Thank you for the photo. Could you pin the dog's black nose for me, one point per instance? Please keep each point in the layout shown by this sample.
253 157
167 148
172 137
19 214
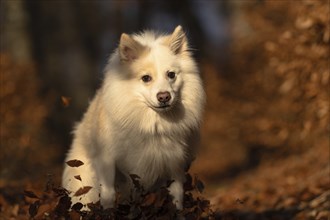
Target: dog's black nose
164 97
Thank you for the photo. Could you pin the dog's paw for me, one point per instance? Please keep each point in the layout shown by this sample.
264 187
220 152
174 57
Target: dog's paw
107 197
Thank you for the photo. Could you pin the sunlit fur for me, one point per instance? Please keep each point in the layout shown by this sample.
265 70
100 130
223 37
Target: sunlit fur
123 132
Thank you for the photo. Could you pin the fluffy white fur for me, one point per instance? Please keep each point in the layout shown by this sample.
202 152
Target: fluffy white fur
126 130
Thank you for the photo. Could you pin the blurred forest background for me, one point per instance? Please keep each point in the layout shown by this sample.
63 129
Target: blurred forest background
265 65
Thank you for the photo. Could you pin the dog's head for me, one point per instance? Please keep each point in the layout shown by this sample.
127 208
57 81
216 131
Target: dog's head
155 66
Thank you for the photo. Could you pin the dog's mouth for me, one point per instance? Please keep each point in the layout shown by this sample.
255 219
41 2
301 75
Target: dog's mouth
162 107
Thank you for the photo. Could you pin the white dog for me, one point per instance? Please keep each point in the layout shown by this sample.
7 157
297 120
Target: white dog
144 120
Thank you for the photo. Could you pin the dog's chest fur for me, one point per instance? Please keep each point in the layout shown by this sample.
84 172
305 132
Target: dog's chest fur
151 158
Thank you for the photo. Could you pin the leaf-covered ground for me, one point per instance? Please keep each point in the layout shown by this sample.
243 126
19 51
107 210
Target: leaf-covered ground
55 203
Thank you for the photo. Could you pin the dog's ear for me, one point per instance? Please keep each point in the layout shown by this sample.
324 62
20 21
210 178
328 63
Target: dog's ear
129 49
178 41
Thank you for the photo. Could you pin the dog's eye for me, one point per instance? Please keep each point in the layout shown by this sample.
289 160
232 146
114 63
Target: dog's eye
146 78
171 74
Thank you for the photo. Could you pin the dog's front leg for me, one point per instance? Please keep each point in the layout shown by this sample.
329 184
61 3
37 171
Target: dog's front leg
106 174
176 190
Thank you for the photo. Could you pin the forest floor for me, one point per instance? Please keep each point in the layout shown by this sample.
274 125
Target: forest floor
250 180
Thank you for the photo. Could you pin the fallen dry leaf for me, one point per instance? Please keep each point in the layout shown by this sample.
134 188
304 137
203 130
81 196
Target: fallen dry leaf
30 194
83 190
65 101
77 177
74 163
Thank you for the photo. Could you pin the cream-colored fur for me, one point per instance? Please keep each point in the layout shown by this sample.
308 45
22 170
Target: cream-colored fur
127 130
